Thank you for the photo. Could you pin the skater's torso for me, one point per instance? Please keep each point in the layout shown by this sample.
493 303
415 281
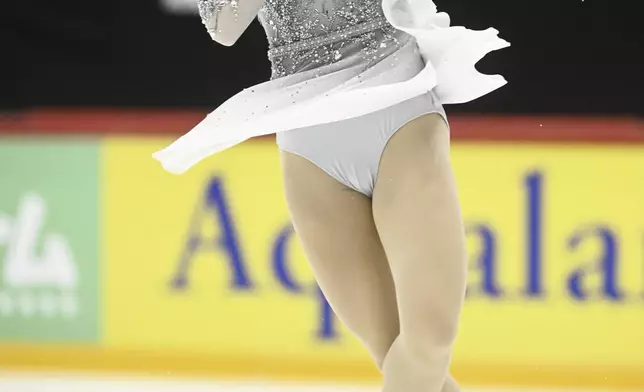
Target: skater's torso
307 34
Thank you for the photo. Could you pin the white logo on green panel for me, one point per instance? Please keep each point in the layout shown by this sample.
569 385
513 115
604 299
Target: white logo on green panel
39 271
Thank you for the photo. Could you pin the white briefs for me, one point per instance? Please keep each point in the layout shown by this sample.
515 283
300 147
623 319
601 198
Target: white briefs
350 150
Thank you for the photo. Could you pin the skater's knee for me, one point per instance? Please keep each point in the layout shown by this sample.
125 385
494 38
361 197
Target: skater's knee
424 351
431 337
379 347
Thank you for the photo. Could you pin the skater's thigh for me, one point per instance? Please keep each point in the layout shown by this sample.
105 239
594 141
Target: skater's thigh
336 229
419 221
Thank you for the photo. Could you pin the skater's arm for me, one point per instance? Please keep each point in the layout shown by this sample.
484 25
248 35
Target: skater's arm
226 20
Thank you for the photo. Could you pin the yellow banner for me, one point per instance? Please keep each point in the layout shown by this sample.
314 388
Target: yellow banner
207 263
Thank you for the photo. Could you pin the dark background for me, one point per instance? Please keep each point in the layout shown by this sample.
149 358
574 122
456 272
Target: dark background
567 56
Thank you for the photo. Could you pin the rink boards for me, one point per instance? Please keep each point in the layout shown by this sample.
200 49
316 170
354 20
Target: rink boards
110 263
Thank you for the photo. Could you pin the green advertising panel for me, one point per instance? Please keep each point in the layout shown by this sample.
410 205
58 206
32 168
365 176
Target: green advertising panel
49 284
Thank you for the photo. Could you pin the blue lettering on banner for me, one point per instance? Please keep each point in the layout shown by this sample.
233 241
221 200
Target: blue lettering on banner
214 205
534 190
485 262
605 265
328 329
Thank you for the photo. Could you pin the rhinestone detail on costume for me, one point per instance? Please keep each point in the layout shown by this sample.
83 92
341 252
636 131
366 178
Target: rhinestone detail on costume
329 38
308 34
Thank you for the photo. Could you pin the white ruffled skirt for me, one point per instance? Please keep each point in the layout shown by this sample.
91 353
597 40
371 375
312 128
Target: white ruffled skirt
339 93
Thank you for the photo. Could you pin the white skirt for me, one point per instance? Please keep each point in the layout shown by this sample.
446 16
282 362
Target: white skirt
312 98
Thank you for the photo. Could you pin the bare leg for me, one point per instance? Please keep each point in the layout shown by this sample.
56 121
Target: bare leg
418 218
336 228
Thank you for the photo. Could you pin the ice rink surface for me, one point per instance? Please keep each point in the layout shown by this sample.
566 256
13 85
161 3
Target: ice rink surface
53 382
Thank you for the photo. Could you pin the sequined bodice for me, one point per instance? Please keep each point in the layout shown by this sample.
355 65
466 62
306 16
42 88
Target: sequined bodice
308 34
341 28
288 21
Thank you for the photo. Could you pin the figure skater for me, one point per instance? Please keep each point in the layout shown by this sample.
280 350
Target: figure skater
356 99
